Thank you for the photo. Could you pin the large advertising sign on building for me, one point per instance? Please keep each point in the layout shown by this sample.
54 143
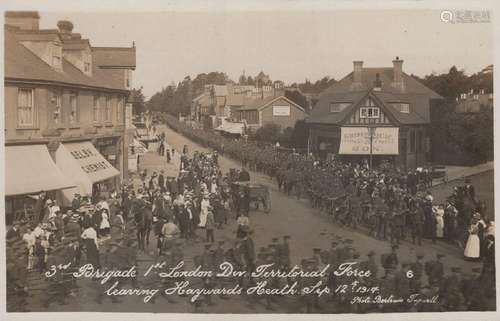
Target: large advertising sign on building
281 110
356 141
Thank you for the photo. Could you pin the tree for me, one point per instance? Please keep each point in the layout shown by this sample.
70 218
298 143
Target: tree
297 97
137 99
268 133
300 134
242 80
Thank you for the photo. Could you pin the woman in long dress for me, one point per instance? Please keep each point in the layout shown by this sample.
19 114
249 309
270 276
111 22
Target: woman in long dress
104 226
205 203
473 245
439 216
89 238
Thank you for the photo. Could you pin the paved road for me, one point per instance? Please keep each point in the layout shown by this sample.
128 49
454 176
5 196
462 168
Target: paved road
308 228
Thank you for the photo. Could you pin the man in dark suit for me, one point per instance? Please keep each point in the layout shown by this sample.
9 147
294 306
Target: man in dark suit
244 176
469 190
161 181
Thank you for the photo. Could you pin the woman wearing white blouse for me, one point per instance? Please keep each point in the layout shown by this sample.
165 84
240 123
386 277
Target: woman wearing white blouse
89 237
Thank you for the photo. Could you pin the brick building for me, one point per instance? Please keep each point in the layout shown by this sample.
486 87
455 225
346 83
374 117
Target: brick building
64 111
387 99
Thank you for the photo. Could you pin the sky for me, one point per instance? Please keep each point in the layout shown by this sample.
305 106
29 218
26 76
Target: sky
287 45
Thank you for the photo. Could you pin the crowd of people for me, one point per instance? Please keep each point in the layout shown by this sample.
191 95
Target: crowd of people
388 202
108 231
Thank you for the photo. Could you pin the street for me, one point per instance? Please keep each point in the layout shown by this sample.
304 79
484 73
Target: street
307 227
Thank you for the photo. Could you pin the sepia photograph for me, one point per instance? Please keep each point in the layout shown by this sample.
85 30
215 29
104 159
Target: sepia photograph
280 160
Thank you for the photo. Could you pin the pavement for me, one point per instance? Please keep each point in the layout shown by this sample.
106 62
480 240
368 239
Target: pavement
308 228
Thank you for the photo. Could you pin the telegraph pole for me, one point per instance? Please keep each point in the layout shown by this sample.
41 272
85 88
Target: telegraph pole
371 134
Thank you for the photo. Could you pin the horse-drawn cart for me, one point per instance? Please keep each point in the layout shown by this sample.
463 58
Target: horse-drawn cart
257 193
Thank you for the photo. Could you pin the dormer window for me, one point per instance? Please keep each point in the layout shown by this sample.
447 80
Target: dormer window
338 107
402 107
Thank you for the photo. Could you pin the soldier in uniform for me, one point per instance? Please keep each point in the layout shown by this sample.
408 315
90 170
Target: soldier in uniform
167 282
390 261
416 222
207 264
403 284
397 223
356 211
308 299
284 254
418 270
473 291
370 265
451 290
435 270
382 221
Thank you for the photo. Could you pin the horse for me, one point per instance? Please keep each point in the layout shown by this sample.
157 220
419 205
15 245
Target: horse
144 221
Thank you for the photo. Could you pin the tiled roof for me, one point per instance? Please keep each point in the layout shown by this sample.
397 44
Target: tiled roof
114 57
321 113
255 104
368 75
22 64
414 93
419 107
237 100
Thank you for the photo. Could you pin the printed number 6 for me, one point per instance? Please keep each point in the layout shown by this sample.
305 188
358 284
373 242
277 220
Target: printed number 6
409 274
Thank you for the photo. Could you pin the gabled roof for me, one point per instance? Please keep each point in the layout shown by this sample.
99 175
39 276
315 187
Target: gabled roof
114 57
256 104
419 107
413 92
237 100
411 85
23 65
321 113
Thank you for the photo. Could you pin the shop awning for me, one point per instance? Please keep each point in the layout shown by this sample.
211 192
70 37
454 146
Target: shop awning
29 169
84 164
139 148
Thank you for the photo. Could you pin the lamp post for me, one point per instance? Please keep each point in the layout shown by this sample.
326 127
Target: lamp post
371 135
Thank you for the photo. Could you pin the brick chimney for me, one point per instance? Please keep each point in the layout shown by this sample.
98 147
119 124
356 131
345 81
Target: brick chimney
24 20
398 72
357 71
65 28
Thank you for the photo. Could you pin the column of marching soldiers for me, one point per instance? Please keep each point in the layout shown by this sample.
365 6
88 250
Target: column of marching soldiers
457 292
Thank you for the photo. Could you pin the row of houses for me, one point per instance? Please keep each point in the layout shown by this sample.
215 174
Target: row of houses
380 111
474 101
66 112
231 107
